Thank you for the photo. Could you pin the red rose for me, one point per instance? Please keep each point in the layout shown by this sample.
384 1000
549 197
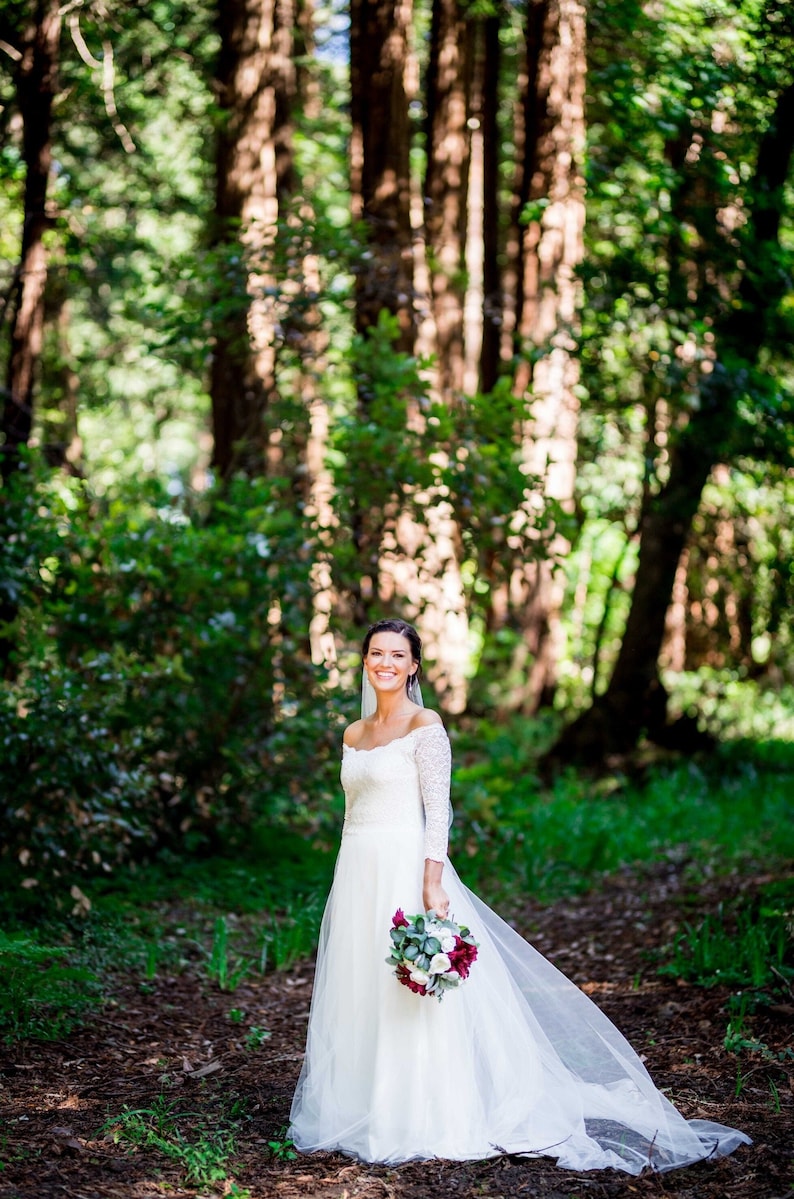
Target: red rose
462 957
404 975
398 919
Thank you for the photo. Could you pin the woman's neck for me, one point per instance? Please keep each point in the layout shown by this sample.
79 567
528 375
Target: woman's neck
392 708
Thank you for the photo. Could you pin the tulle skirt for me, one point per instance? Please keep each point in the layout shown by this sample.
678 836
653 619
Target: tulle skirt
516 1060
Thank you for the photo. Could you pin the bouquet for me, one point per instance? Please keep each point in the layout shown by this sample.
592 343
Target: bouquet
430 955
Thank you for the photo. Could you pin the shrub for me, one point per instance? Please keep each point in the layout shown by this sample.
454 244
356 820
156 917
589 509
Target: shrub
164 687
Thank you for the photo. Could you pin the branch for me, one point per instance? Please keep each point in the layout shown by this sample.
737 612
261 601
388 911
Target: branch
106 65
11 51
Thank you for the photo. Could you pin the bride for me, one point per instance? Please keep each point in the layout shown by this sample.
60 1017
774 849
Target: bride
518 1060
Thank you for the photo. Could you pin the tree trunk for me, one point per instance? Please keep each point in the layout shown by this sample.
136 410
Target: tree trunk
446 180
36 84
256 82
635 701
492 292
379 163
36 81
381 207
548 235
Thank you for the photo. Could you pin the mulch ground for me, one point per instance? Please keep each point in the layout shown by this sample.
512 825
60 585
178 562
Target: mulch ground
174 1041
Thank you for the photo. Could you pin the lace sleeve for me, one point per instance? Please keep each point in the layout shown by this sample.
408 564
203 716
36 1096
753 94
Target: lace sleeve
434 761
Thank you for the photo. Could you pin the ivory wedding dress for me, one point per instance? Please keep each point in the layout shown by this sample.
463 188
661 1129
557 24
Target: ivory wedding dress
516 1060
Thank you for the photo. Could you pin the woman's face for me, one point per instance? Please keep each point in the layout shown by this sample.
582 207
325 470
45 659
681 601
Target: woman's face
389 662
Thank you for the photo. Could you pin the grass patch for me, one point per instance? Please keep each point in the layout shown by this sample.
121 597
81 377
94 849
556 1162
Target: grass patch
747 945
222 918
513 837
42 995
203 1154
228 917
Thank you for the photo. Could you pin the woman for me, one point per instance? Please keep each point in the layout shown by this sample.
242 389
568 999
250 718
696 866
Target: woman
518 1060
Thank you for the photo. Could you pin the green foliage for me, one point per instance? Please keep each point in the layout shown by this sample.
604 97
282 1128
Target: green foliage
164 689
255 911
521 838
748 946
282 1149
204 1157
220 968
256 1036
377 453
287 934
678 102
292 933
739 1039
42 996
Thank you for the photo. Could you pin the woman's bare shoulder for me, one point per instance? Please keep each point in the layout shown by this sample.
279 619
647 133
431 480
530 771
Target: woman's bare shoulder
354 732
425 718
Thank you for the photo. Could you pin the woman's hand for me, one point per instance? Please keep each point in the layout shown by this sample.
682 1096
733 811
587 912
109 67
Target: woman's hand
433 894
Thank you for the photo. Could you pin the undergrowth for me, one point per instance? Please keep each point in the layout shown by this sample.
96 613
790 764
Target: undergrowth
228 917
747 944
203 1154
513 838
42 995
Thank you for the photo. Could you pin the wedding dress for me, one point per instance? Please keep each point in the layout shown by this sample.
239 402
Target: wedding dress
515 1060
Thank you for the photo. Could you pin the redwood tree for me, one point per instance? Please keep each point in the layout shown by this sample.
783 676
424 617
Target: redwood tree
379 163
35 50
384 301
635 701
446 180
538 305
255 83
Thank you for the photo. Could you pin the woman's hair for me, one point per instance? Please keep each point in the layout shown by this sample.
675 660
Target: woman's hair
396 626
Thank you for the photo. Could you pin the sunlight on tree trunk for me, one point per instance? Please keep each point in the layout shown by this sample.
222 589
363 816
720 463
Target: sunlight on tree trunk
256 83
445 187
635 701
379 163
36 69
473 305
487 77
550 215
36 82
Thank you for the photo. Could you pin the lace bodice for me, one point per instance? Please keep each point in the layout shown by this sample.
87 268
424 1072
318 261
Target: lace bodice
402 784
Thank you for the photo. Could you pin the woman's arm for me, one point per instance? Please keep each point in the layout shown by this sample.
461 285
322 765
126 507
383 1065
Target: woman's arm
434 763
433 894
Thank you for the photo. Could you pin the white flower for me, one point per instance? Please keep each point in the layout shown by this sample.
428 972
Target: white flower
420 976
447 944
439 964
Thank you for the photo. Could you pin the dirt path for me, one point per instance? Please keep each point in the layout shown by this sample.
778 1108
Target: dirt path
180 1048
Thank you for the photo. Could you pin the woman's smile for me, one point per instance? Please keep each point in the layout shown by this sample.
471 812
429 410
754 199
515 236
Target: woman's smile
389 661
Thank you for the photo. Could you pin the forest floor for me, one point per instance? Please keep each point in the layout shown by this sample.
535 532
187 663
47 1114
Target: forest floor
184 1056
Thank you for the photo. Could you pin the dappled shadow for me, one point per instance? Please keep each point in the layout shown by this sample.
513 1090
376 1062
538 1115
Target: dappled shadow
178 1047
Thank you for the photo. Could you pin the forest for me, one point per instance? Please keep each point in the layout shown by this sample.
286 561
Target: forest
477 313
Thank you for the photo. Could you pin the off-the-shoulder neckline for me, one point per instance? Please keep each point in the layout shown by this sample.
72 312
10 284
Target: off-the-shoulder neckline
394 740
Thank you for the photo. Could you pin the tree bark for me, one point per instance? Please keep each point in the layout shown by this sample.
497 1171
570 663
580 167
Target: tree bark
256 83
548 223
36 82
446 179
379 163
381 208
635 701
492 289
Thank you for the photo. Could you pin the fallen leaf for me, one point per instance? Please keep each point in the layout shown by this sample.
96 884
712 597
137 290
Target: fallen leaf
210 1068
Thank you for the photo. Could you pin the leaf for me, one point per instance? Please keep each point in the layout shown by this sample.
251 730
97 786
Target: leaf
210 1068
